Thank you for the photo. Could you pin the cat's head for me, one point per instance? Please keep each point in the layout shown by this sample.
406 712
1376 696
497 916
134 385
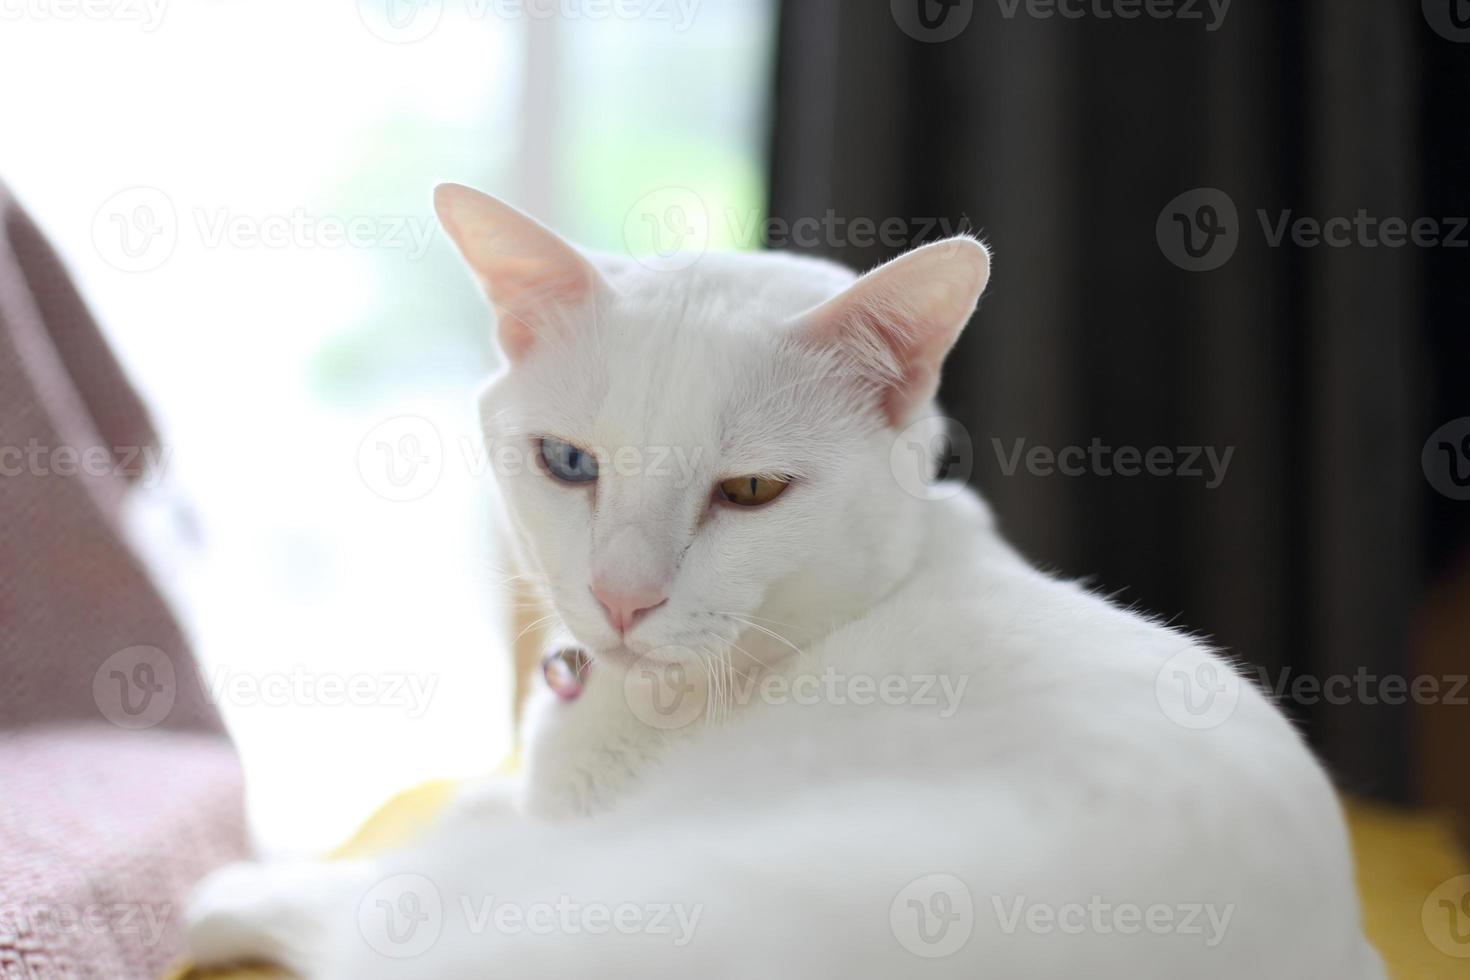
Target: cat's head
705 459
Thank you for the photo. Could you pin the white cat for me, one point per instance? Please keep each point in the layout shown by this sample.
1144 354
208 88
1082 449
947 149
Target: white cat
834 726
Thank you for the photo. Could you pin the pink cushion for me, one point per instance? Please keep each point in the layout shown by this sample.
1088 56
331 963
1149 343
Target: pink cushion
102 831
118 785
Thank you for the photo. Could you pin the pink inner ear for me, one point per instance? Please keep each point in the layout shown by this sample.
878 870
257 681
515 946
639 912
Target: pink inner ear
531 276
878 336
899 321
523 293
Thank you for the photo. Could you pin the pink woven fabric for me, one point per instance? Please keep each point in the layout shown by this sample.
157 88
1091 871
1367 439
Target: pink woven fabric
101 835
118 787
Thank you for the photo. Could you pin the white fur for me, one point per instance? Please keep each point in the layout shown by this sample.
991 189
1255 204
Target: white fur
1052 774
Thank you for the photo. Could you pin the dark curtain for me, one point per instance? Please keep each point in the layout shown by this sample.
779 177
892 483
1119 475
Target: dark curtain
1061 141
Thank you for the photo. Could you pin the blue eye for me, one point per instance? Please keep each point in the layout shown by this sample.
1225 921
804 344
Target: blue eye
567 462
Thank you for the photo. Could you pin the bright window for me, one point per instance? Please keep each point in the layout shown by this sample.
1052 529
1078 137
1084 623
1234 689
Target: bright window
245 203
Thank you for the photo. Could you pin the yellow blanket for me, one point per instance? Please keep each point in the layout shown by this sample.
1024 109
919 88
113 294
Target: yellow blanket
1403 857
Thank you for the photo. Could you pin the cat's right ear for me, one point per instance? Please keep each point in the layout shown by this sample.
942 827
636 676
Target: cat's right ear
532 277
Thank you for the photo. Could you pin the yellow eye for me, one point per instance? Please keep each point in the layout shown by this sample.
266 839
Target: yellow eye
752 491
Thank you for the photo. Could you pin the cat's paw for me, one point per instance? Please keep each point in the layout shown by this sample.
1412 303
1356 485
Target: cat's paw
278 913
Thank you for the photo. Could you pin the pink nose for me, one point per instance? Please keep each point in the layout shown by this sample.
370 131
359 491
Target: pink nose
624 606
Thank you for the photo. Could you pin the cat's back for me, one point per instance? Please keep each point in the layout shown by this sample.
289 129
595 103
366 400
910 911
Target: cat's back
1036 646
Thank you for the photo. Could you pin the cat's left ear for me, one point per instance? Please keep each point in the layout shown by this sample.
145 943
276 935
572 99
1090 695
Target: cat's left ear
900 320
532 277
